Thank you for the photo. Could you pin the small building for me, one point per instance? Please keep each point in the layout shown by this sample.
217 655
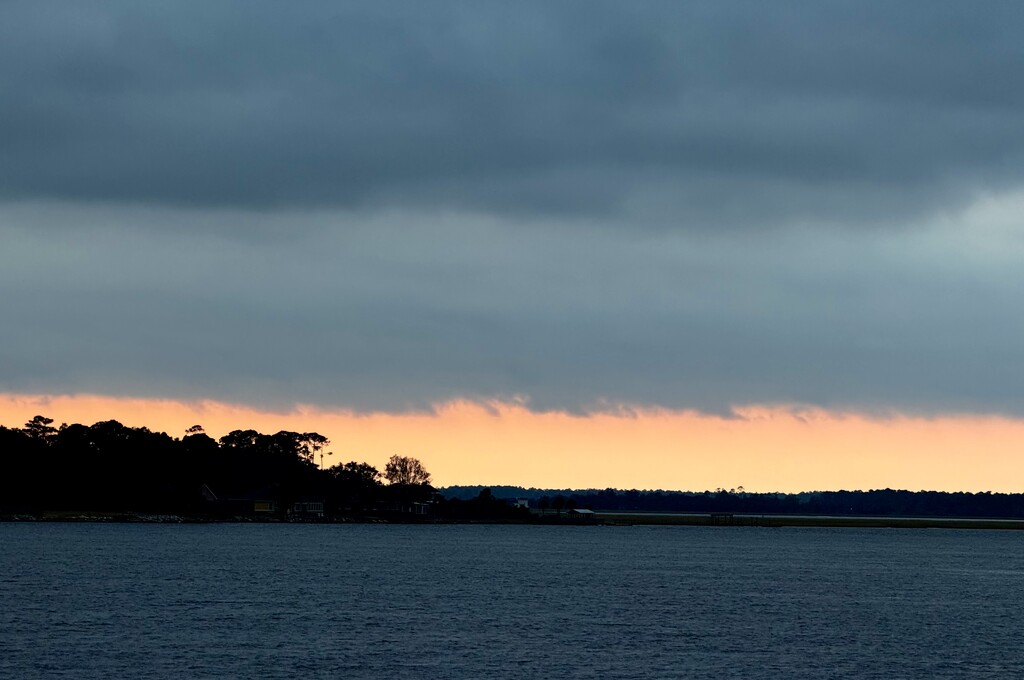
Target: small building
308 508
581 515
260 504
208 495
264 507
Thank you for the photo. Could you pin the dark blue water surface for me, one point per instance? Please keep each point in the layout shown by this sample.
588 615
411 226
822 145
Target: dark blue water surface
379 601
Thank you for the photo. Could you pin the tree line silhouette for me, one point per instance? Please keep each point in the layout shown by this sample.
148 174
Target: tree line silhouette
878 502
110 467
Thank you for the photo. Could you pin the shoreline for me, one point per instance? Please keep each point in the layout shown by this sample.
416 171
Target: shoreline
614 519
820 521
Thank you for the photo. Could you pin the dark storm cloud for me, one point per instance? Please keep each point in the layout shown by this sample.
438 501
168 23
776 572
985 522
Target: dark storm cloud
387 205
692 114
922 320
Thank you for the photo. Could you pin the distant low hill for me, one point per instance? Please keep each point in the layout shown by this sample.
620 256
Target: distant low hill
880 502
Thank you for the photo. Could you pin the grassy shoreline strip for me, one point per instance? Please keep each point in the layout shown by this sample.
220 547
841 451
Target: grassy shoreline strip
809 521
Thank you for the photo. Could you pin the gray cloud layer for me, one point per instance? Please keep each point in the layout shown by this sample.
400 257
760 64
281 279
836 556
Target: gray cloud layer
690 114
367 316
581 203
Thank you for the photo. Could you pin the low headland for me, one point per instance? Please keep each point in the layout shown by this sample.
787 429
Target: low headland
114 473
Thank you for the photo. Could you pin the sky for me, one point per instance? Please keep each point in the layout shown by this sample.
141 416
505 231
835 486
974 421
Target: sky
574 244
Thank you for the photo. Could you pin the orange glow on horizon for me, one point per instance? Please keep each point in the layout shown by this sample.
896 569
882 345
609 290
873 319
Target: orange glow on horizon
762 449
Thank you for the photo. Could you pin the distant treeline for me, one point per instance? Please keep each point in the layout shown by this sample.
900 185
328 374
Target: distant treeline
108 467
883 502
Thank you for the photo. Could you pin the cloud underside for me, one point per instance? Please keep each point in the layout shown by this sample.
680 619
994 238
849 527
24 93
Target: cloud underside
702 116
373 315
580 204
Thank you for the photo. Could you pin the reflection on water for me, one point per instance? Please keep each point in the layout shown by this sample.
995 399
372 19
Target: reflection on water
530 601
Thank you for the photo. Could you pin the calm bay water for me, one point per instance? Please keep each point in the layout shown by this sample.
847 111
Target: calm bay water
377 601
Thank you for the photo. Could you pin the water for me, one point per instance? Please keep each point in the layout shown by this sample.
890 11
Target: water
374 601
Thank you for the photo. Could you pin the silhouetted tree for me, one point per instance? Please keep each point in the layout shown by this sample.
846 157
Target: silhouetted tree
558 503
362 474
312 443
356 485
405 470
240 439
24 470
39 428
544 503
